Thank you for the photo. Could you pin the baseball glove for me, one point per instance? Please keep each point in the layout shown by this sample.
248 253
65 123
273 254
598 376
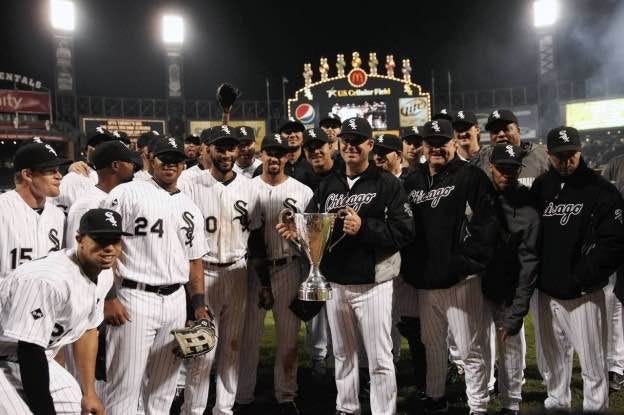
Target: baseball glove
197 339
226 95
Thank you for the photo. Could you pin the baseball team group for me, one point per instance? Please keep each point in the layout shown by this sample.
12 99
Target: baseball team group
443 240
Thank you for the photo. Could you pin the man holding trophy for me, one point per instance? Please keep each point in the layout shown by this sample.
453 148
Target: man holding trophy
372 222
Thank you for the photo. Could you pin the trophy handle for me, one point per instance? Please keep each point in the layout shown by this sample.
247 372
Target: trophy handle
287 216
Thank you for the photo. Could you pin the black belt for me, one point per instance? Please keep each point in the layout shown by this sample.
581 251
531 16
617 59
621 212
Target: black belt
156 289
280 261
222 264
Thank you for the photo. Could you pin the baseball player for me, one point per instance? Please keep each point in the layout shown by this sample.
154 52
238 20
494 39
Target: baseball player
49 303
276 192
583 243
145 145
330 125
31 225
614 172
510 278
204 163
147 302
388 155
453 213
191 149
412 147
246 163
361 260
467 134
227 201
81 175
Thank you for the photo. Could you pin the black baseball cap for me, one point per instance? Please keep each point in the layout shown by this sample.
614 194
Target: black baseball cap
192 139
37 156
99 138
443 114
315 135
221 133
106 153
409 132
331 121
507 154
101 222
290 125
121 136
146 138
562 139
275 142
388 142
244 133
500 118
356 126
462 120
438 132
169 145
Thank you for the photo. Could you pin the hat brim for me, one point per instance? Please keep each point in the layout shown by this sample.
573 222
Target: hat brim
437 139
310 141
278 147
224 139
107 232
386 147
565 147
463 123
49 164
175 152
354 133
507 163
330 122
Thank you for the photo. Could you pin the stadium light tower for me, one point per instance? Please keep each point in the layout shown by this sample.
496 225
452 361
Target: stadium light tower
545 15
173 30
62 15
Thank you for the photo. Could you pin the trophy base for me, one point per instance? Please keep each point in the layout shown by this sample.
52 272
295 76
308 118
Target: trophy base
315 294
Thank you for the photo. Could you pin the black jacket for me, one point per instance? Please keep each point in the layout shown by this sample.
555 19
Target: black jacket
387 224
511 277
583 232
455 225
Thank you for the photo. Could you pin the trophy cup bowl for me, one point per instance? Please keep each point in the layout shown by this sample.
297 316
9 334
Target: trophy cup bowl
313 232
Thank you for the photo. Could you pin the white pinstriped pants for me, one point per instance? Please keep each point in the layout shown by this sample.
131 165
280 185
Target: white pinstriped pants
615 343
457 311
511 354
366 310
566 326
139 358
285 282
226 295
64 389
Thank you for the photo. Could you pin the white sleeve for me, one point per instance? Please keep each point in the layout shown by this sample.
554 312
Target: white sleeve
197 246
73 223
33 308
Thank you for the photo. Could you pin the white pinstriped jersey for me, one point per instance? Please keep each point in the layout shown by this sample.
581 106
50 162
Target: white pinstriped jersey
90 200
166 228
73 185
247 171
230 212
142 175
25 234
273 199
187 175
49 302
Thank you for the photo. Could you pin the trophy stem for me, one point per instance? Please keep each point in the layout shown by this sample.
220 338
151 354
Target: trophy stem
315 287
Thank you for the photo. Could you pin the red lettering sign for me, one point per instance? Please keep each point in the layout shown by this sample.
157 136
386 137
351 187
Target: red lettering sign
29 102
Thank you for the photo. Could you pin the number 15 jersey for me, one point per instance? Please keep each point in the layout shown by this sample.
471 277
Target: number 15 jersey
166 228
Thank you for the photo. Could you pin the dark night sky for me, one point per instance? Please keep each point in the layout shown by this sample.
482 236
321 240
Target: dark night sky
485 44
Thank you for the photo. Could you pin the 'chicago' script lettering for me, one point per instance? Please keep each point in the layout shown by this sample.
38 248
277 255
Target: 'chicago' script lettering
433 195
337 201
565 210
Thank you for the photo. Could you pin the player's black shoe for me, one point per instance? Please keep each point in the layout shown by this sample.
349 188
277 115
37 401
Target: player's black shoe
436 406
616 381
288 408
507 411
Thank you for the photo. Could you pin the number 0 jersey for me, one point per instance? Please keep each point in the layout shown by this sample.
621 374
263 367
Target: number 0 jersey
230 211
166 228
26 234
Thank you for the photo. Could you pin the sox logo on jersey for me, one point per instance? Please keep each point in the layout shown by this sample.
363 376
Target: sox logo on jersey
189 228
241 207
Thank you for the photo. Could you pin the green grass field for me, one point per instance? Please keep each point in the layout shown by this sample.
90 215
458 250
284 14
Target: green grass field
320 399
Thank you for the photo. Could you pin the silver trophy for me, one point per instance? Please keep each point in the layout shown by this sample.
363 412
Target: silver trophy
313 232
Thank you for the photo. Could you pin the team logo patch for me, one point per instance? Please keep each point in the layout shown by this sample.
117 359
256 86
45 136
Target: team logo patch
435 126
618 216
109 217
189 229
240 206
172 142
563 135
565 210
460 115
352 124
496 114
225 129
243 131
509 149
305 113
53 237
36 314
312 133
407 209
278 138
50 149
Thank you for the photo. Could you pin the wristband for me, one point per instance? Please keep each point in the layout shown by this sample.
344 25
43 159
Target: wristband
197 301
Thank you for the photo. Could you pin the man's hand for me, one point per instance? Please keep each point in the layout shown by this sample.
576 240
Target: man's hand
352 222
91 404
115 313
265 298
203 313
80 167
286 231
